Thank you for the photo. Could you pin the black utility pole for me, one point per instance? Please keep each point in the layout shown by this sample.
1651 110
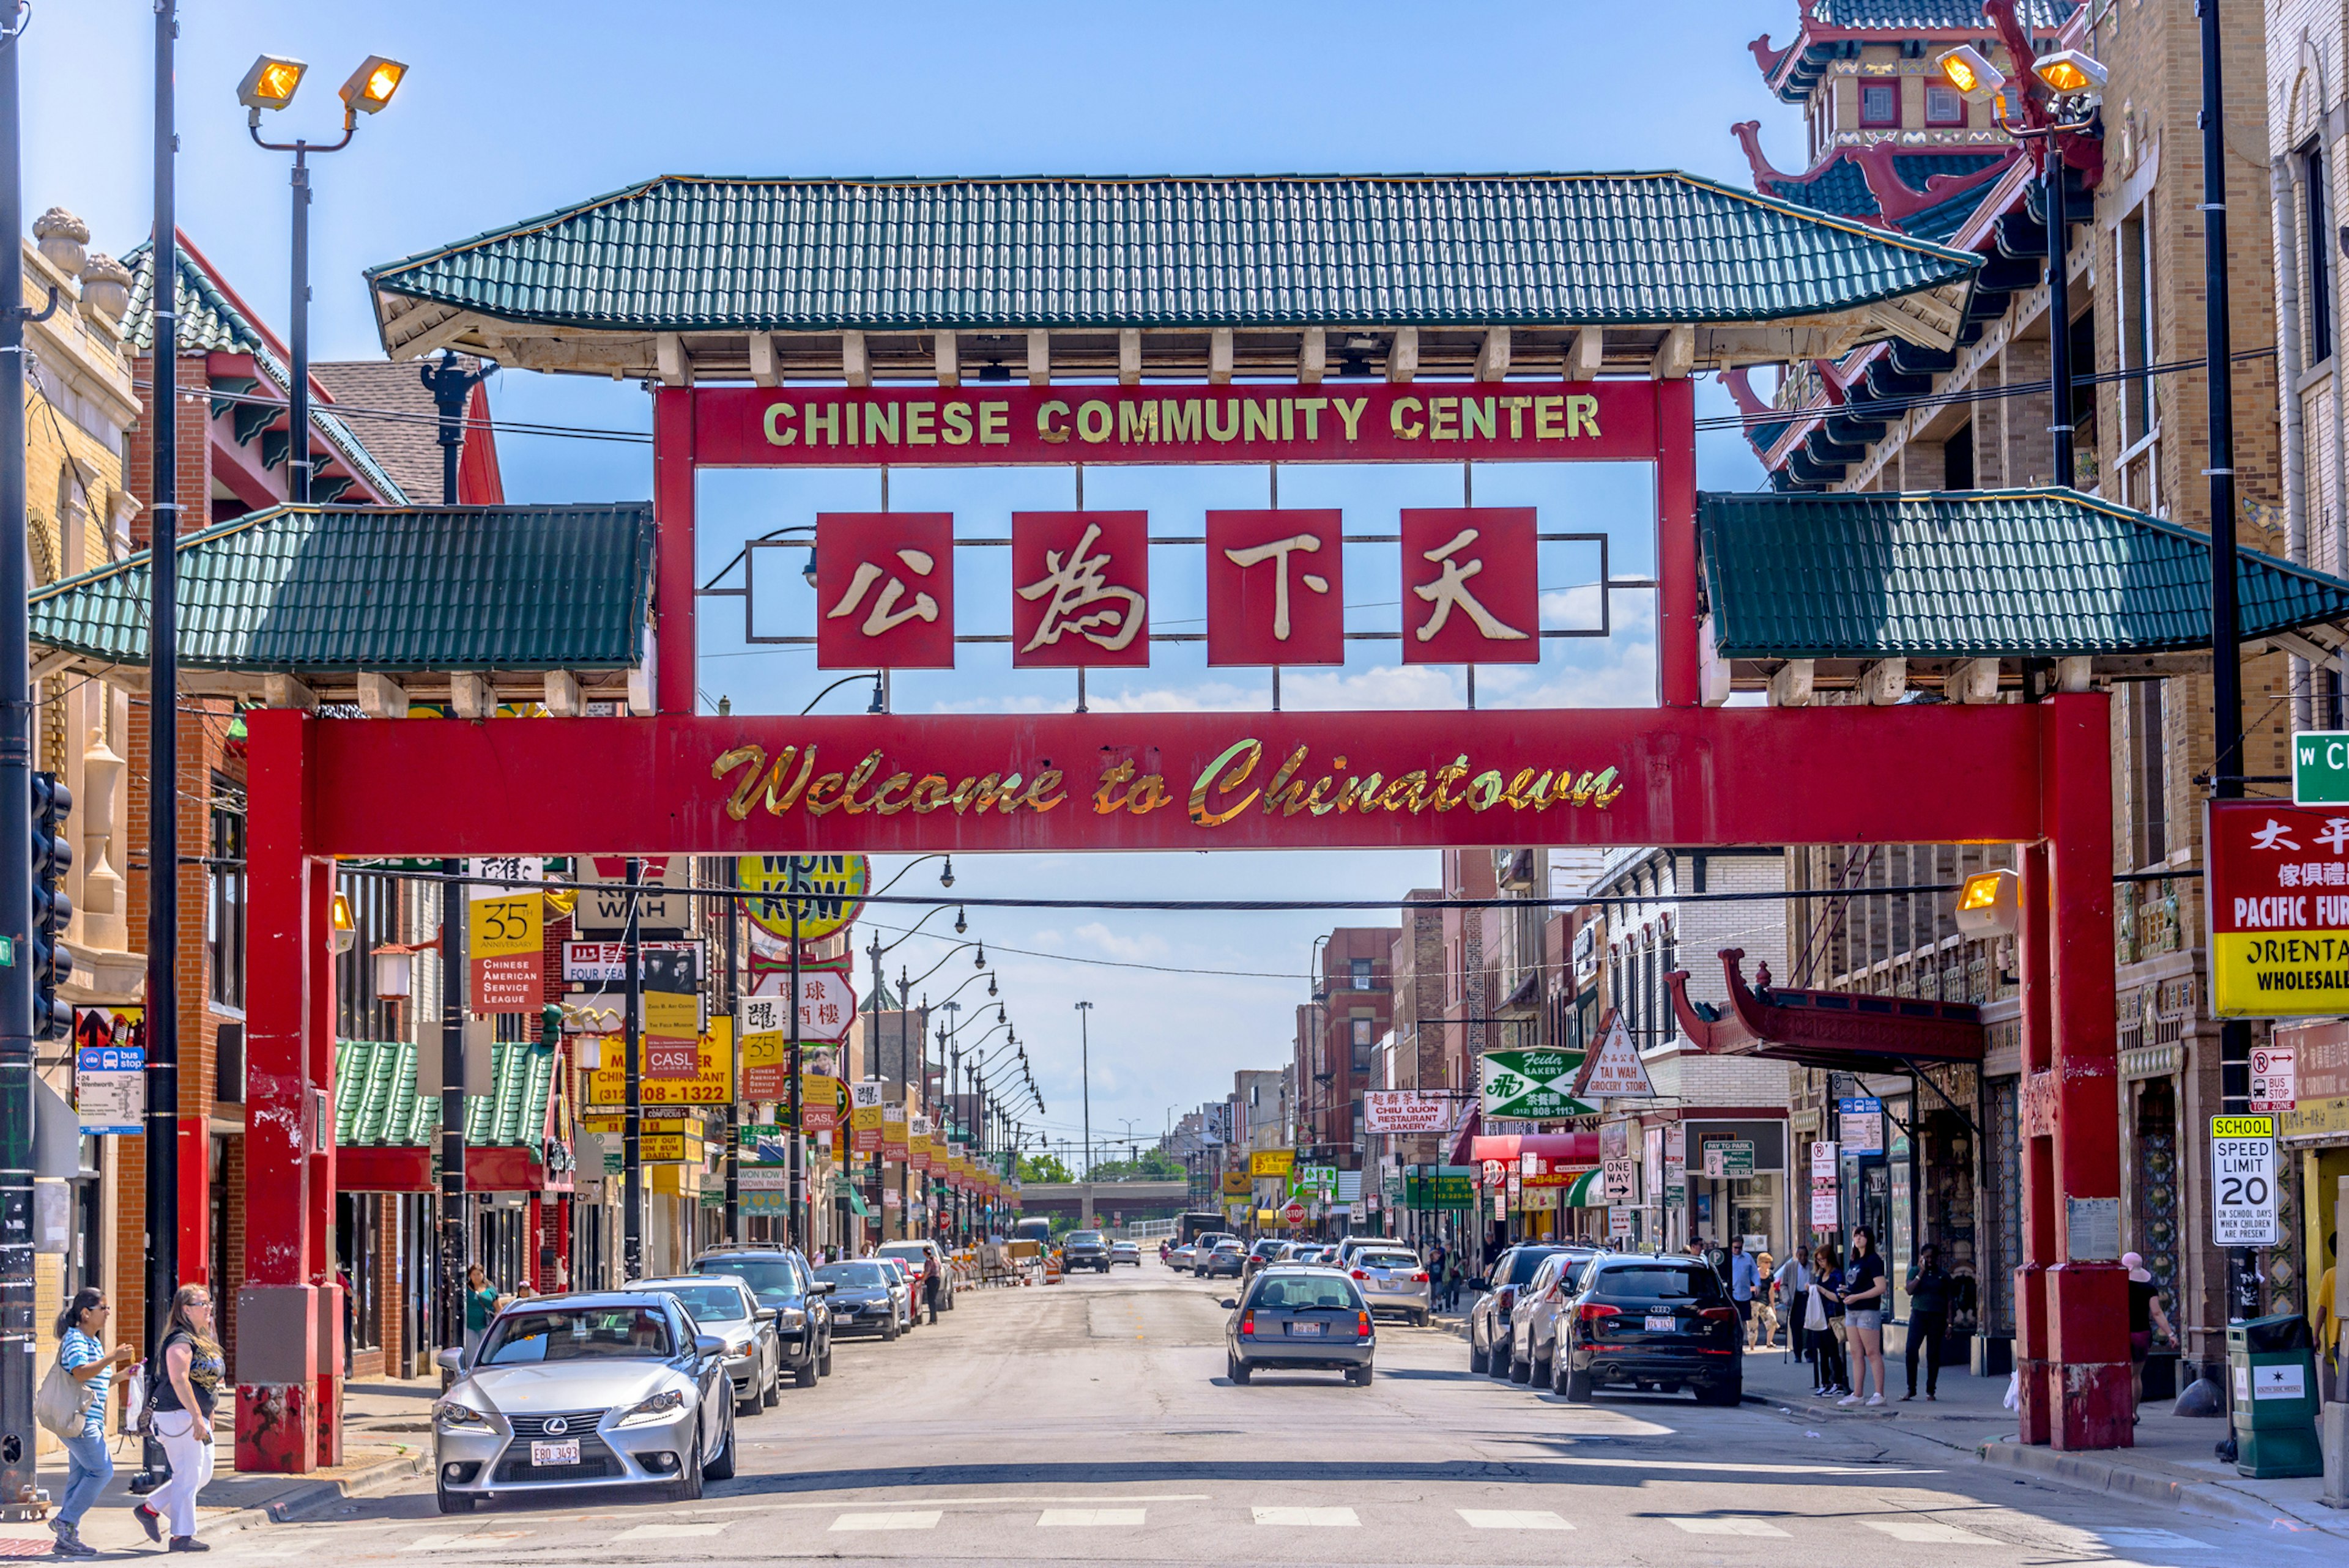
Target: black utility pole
450 385
455 1234
2059 308
632 1119
2226 658
733 908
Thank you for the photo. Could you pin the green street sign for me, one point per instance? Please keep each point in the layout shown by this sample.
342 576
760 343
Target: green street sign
2319 768
1728 1157
1533 1085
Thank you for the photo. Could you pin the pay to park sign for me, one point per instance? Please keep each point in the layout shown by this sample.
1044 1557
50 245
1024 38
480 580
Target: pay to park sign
1533 1085
2277 889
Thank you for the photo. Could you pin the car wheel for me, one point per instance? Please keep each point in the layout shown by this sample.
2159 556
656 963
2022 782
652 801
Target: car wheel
805 1374
722 1467
1540 1375
889 1330
1520 1371
687 1488
823 1366
454 1502
1479 1358
1360 1377
1497 1360
1236 1369
1578 1387
751 1404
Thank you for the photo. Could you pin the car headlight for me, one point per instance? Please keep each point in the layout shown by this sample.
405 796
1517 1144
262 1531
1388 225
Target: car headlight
667 1402
449 1416
790 1317
738 1347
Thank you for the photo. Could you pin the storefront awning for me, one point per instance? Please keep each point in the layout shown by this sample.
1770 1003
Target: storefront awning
386 1135
858 1206
1828 1029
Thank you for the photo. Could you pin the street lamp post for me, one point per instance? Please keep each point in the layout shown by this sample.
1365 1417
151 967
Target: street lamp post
1085 1077
271 83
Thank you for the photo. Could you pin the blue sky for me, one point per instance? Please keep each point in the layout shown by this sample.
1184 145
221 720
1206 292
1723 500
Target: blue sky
518 106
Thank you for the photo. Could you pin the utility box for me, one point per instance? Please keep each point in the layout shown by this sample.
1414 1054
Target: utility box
2271 1364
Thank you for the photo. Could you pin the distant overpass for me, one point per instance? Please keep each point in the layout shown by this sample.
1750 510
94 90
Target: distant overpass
1113 1202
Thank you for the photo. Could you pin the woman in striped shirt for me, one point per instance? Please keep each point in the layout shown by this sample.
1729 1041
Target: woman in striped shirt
81 1351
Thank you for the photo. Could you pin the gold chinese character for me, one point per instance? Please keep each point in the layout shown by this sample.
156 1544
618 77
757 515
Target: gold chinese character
884 616
1277 550
1076 584
1452 588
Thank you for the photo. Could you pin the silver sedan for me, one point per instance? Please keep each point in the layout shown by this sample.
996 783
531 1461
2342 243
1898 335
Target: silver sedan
1394 1280
618 1388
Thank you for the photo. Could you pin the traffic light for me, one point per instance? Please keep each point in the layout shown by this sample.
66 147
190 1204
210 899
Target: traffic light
52 908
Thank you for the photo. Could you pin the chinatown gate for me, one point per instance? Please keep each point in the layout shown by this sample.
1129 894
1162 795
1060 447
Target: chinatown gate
1510 319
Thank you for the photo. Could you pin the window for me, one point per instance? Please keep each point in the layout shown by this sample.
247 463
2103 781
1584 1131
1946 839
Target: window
1361 973
224 897
2316 293
2134 297
1958 458
2149 771
1944 106
1880 104
359 1013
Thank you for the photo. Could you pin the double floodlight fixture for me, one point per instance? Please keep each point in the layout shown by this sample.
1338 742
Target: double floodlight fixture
2070 72
272 80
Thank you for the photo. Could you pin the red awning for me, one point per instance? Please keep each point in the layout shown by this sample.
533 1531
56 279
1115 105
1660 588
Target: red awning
1556 1148
1827 1029
494 1168
1466 1138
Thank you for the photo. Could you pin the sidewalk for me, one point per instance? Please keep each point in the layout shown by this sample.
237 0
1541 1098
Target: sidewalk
386 1438
2172 1463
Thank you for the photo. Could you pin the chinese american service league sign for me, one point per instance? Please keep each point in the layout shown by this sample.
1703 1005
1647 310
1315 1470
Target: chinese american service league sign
2278 901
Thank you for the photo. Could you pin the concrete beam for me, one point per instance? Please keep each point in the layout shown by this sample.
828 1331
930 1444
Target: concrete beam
1493 355
1883 683
287 691
950 368
2072 674
1129 355
1219 356
762 359
1791 686
562 697
1039 359
1675 356
1970 681
382 697
670 364
1403 360
855 368
471 696
1313 355
1583 361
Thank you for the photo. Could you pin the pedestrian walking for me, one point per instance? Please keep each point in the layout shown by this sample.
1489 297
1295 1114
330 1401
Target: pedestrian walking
2326 1322
1864 1281
1792 1282
1824 1327
480 1305
1765 1313
2144 1312
1929 1320
1438 1259
1744 1279
183 1383
81 1351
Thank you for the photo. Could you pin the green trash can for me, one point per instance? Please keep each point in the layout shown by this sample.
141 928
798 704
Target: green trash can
2273 1366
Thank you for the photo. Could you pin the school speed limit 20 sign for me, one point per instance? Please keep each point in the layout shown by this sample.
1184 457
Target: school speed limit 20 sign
2244 1180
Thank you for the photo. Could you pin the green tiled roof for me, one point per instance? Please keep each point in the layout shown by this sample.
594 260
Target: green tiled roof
381 588
1930 16
1969 574
688 253
376 1105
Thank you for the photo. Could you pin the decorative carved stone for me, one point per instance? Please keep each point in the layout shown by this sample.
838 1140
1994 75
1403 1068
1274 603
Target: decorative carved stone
106 285
61 237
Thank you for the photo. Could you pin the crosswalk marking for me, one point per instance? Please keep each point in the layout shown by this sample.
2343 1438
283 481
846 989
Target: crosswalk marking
2146 1538
1726 1524
1512 1519
1130 1518
466 1538
1925 1532
668 1531
904 1518
1305 1516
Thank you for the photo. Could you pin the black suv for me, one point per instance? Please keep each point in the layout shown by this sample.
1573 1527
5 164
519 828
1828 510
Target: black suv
1665 1324
1086 1250
782 1279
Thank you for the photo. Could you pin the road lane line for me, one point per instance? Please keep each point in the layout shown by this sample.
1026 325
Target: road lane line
1337 1518
904 1518
1727 1525
1597 1463
2146 1537
468 1538
1512 1519
668 1531
958 1503
1082 1518
1926 1533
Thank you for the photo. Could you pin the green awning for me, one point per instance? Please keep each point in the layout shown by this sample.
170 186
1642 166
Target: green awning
376 1105
857 1205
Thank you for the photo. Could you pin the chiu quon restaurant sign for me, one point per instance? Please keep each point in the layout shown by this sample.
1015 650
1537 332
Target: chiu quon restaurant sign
2278 892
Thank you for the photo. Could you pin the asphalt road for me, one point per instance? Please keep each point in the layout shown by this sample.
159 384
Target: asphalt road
1091 1421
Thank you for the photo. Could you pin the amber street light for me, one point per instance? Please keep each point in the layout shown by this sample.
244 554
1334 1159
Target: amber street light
271 83
1968 70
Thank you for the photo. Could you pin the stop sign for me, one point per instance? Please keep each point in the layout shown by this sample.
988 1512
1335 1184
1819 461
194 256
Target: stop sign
1294 1214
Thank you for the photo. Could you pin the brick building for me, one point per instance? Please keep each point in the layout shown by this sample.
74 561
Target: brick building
1337 1033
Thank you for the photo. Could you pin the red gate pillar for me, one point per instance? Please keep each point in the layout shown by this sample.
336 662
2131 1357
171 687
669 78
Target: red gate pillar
673 523
1677 657
286 1357
2070 1300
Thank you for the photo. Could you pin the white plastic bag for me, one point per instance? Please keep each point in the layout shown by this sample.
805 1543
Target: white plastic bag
2014 1389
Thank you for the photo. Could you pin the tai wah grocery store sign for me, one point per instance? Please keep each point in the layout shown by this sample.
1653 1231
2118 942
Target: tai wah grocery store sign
2277 893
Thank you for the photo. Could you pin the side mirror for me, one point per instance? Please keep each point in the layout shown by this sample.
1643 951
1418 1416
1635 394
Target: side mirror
450 1360
822 1287
768 1315
1230 1304
709 1347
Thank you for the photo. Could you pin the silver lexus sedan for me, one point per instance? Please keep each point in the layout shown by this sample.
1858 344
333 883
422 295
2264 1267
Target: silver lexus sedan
617 1388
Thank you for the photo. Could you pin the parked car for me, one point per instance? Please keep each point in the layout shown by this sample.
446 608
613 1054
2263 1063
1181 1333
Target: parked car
1660 1322
1264 1251
1181 1258
1084 1250
864 1297
1288 1317
1393 1279
1488 1319
901 1274
1126 1252
723 1304
1533 1317
617 1389
782 1278
934 1286
1225 1258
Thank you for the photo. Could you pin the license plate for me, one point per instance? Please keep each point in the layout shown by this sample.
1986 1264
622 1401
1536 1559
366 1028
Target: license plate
554 1453
1661 1323
1305 1330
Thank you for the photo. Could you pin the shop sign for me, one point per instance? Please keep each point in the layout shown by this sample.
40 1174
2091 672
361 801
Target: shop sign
1725 1158
917 1143
505 934
1311 1179
2274 1084
1539 1200
1532 1086
1277 1162
605 965
2243 1181
804 896
1862 1123
1236 1184
757 1179
1614 1070
1405 1111
111 1084
2277 893
893 1130
602 908
710 1083
767 1046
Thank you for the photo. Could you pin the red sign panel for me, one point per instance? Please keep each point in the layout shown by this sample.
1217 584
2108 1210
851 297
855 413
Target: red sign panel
1080 589
884 591
2277 880
1276 588
759 427
665 1058
1471 594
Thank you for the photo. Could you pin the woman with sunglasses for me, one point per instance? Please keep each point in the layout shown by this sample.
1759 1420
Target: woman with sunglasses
82 1351
190 1367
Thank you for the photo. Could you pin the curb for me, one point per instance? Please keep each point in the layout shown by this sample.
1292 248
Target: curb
2122 1480
307 1499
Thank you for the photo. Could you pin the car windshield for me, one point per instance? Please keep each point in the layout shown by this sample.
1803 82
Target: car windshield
578 1334
710 1302
867 1275
1085 1238
1305 1293
895 1267
774 1279
1691 1281
1387 1260
910 1252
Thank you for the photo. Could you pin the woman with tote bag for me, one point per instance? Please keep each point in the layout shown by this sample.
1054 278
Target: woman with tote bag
72 1404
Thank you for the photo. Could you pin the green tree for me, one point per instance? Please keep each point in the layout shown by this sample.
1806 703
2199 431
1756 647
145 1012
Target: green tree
1043 1168
1154 1165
